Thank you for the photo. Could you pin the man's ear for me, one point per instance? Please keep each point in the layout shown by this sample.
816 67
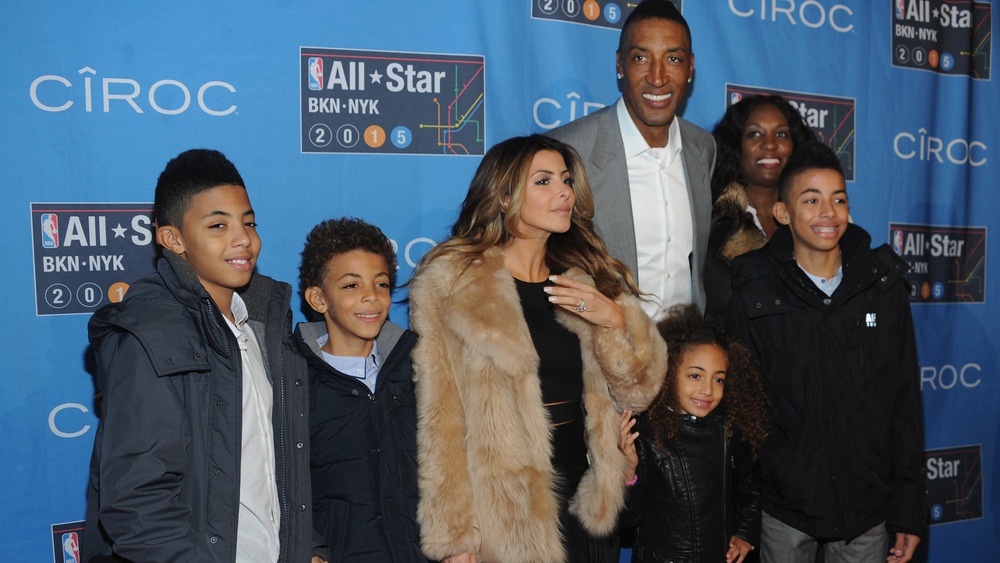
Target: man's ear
780 212
314 297
171 238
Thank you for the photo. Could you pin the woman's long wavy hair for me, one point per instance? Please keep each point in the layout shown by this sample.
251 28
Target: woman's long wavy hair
743 400
491 213
728 135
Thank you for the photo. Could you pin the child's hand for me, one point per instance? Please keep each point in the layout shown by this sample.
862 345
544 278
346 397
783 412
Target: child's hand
626 443
738 550
903 550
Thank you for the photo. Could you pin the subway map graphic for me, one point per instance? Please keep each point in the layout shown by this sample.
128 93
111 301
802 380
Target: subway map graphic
831 118
391 102
954 484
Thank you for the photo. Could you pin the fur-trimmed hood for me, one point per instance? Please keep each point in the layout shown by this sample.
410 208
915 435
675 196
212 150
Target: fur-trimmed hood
486 479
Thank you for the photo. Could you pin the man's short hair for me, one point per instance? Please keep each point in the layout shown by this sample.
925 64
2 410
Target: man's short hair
813 155
184 177
649 9
334 237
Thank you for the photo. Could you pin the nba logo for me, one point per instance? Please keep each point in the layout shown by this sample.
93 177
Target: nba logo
315 73
50 230
71 547
734 98
900 9
897 242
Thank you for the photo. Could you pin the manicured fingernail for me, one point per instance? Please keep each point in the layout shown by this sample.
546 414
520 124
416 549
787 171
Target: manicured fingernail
552 298
547 289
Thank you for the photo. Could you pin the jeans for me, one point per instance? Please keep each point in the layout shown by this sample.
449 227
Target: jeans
781 543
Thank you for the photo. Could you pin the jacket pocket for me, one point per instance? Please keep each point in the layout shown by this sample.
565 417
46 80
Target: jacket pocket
332 520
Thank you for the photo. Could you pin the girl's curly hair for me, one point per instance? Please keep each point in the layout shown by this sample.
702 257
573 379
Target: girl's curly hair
743 399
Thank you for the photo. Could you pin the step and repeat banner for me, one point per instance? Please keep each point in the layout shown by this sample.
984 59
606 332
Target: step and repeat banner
382 110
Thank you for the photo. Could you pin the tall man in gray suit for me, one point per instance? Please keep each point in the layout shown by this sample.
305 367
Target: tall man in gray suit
648 168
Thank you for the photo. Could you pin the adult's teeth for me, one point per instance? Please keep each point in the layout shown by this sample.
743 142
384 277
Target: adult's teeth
657 98
768 161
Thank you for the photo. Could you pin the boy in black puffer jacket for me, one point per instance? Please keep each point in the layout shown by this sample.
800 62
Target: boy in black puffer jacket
362 406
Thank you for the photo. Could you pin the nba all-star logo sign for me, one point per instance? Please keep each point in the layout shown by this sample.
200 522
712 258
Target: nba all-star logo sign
954 483
947 264
831 118
87 254
601 13
943 36
385 102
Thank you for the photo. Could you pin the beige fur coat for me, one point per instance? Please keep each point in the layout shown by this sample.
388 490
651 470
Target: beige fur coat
486 480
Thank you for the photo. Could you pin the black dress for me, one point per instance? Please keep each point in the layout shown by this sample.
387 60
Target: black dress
561 372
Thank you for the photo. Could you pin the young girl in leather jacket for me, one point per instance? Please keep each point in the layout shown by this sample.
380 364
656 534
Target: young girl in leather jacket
695 493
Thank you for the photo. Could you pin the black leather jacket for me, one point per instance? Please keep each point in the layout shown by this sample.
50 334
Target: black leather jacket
693 494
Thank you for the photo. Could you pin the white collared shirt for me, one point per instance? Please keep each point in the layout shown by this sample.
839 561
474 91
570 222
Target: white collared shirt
260 513
661 215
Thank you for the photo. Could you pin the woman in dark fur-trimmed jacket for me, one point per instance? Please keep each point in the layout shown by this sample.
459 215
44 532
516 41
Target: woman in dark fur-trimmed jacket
754 140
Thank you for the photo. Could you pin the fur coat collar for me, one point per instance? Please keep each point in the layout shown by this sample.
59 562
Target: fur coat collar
744 234
486 480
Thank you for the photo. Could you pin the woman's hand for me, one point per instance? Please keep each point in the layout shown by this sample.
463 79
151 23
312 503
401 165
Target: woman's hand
738 550
585 301
626 443
460 558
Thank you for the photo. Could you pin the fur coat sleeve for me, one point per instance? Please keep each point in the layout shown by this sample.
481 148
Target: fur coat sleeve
485 475
622 369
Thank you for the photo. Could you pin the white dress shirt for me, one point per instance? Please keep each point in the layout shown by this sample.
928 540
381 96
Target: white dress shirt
260 514
661 215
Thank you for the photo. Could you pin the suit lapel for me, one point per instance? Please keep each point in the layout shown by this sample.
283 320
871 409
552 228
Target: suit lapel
609 183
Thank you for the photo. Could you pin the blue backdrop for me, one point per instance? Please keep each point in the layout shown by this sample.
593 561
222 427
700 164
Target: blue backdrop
381 110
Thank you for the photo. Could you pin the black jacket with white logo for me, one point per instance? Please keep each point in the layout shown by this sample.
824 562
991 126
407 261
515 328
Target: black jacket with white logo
845 448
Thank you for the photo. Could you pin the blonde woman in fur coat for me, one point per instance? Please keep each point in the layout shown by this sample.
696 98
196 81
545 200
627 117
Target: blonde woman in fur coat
533 352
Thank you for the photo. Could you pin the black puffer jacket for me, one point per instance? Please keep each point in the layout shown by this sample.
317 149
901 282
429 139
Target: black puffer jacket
165 471
845 445
364 452
693 494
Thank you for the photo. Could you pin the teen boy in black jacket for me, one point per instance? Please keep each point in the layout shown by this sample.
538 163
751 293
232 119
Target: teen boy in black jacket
175 447
829 319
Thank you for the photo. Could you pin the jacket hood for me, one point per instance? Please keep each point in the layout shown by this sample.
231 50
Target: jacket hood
863 266
308 333
158 310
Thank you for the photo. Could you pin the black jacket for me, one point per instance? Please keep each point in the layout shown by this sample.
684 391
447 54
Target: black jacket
364 452
693 494
165 471
845 447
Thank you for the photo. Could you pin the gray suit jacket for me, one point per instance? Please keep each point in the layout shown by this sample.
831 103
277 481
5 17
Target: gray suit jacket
598 139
